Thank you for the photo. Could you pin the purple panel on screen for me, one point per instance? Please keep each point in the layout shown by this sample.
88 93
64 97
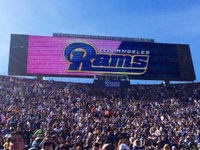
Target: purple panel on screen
45 54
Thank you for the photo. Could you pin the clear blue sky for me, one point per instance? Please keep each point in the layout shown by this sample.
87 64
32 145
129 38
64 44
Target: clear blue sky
169 21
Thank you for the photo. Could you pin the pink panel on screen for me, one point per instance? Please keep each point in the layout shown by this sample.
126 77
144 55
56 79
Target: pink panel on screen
45 54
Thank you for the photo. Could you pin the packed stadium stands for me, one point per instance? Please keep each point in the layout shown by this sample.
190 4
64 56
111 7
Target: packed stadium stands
60 115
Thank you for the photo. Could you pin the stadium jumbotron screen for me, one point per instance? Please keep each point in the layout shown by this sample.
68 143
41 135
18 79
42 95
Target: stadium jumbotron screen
87 57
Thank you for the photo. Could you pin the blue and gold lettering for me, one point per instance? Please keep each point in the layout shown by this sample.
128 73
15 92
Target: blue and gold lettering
83 57
101 60
139 61
120 61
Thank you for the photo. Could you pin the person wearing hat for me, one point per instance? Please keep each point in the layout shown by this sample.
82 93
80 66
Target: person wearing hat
36 142
7 142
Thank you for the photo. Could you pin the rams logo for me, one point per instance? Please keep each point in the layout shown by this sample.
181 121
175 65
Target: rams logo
84 57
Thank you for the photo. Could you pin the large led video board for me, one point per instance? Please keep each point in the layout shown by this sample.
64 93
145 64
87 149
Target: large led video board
87 57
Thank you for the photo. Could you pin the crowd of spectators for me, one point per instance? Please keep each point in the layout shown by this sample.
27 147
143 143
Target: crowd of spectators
48 115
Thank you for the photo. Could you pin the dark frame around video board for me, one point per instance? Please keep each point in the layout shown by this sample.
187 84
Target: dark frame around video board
176 57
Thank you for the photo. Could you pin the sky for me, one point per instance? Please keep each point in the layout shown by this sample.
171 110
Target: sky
169 21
